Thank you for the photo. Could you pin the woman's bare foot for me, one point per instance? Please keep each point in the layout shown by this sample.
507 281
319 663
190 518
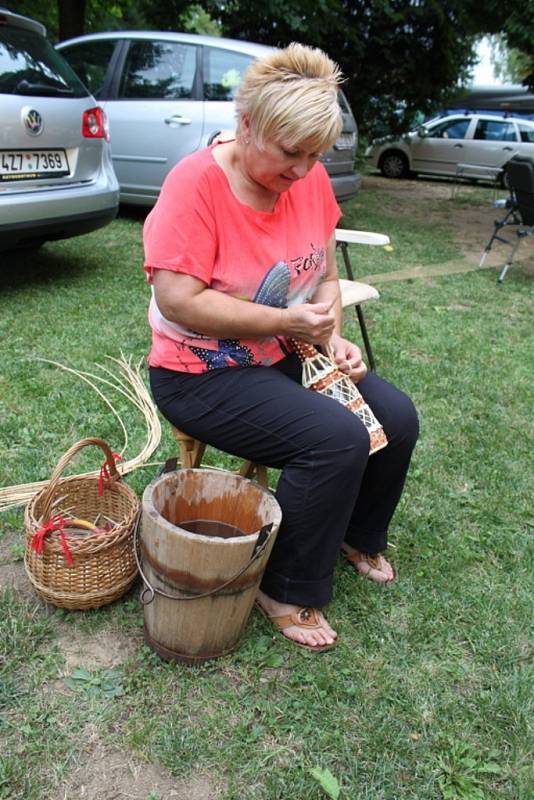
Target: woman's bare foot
374 567
308 634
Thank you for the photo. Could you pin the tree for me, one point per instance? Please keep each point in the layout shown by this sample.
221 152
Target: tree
398 56
67 18
509 65
71 18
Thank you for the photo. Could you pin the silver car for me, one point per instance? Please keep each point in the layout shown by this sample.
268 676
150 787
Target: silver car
169 94
56 174
470 145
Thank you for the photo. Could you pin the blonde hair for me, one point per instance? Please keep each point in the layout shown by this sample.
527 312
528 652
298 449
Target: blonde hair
290 95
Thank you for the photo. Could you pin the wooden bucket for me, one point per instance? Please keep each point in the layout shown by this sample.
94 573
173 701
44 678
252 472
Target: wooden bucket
205 541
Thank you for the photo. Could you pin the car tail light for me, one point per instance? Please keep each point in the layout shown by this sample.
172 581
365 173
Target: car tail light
95 124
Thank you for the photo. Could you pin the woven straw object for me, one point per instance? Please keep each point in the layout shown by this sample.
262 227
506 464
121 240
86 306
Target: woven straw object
321 375
102 564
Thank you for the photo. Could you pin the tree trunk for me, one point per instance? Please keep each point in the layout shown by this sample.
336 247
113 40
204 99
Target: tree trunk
71 18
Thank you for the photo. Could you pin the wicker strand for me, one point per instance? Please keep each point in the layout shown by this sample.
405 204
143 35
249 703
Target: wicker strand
132 387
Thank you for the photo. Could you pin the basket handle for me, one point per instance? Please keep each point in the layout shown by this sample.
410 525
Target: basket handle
64 460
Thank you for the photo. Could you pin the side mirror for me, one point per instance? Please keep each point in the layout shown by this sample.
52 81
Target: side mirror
422 131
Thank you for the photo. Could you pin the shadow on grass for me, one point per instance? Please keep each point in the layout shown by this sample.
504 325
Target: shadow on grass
134 213
67 260
37 267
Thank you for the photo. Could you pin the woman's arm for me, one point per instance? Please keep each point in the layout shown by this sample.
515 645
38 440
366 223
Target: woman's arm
187 300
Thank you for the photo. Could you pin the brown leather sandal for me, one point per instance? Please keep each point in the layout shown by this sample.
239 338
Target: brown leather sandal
370 566
306 618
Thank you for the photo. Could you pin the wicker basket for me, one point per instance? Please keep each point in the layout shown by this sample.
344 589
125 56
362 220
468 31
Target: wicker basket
103 564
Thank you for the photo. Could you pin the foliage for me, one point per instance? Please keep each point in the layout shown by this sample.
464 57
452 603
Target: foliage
514 21
462 772
509 64
105 683
101 15
398 57
196 19
328 782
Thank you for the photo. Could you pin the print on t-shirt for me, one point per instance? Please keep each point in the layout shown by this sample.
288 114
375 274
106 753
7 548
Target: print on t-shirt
273 291
275 259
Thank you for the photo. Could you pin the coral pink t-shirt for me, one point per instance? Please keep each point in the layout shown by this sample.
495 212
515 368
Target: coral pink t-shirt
199 227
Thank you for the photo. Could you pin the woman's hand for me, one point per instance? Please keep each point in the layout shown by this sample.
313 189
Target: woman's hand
347 357
311 322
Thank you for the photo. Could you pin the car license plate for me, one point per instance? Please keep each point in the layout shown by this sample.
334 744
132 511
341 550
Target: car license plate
20 165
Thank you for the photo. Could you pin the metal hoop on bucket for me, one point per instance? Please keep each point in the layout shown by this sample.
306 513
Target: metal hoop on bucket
259 547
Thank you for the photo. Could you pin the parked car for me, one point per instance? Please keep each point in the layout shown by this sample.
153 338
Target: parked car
56 174
475 141
169 94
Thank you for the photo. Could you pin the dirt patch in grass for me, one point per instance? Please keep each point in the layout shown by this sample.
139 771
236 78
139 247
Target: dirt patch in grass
13 577
105 774
12 573
471 225
99 650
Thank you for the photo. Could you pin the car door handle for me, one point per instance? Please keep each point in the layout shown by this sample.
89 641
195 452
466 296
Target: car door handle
458 145
177 119
508 148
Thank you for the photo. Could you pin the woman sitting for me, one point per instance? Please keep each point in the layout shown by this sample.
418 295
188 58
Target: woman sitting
240 250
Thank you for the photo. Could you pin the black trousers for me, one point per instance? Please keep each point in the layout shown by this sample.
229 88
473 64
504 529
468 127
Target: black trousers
330 489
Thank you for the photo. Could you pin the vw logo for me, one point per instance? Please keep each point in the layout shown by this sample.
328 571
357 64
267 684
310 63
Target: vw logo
33 121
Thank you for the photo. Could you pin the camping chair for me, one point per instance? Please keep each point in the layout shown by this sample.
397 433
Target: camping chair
519 209
353 292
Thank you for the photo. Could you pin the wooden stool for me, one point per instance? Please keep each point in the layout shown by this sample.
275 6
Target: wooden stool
192 453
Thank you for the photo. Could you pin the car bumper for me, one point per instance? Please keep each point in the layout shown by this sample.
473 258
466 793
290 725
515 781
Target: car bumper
32 234
31 217
346 186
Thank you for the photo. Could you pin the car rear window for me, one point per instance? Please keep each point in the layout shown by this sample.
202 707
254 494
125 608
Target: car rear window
30 66
489 130
526 133
90 61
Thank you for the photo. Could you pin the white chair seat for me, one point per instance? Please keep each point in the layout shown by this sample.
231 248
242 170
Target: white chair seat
353 293
361 237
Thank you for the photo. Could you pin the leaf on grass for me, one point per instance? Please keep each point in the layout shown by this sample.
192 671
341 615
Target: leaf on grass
102 683
492 769
388 248
274 660
329 783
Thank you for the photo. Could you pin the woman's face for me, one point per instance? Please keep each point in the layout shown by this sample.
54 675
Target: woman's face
277 166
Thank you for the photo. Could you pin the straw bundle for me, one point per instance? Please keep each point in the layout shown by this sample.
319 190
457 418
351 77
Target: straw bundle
129 383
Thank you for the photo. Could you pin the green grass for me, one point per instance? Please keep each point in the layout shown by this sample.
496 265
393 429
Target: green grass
429 694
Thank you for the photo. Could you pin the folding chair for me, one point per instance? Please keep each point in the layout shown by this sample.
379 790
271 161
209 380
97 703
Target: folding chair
353 292
519 209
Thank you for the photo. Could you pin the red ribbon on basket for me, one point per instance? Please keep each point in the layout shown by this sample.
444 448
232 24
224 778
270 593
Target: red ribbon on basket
56 523
105 473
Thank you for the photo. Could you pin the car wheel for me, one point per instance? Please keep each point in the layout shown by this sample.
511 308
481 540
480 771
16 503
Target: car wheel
394 164
504 180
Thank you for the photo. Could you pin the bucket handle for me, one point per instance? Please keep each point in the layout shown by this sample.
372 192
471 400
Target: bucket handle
149 592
